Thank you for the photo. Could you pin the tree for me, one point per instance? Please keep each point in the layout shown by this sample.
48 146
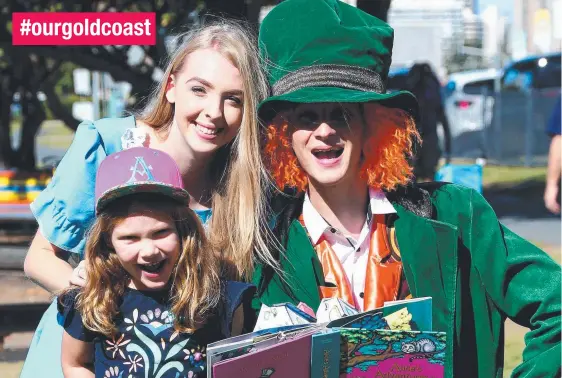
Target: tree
362 349
29 69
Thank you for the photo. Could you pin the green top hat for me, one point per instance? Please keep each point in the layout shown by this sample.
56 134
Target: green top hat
327 51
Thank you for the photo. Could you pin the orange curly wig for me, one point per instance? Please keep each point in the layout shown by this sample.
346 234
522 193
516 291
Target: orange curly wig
390 136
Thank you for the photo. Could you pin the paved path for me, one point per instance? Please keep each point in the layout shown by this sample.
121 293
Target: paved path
540 231
524 213
16 288
12 257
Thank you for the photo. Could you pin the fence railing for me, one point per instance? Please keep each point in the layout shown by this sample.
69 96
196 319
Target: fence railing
510 128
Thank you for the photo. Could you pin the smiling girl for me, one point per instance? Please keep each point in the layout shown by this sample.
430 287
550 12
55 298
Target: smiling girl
153 297
203 114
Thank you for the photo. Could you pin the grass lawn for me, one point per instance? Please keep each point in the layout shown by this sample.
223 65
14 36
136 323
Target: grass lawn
506 177
52 133
55 134
514 345
10 369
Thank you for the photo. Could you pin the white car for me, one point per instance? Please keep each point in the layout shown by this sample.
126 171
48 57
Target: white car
466 106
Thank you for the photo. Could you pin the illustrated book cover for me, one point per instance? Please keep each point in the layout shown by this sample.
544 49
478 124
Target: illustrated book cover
289 358
325 354
419 308
387 353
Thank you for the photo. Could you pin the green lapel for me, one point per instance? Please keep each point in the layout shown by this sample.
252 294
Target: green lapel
429 255
302 269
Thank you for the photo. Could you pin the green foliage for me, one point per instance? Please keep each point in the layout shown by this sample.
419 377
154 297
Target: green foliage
48 112
461 62
392 337
65 85
357 336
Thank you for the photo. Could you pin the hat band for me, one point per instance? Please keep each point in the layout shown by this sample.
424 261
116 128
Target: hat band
330 75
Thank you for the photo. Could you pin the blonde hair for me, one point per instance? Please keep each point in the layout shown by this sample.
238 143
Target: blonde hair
195 283
238 227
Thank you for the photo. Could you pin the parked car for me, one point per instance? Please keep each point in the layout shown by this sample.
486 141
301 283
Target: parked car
534 72
468 100
463 97
529 90
464 107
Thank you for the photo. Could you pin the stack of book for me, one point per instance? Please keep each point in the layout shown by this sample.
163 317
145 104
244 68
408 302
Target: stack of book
396 340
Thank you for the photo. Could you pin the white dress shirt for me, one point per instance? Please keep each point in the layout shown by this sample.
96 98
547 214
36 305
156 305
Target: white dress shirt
353 254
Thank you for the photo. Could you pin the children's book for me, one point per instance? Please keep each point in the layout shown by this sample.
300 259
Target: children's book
419 309
401 320
391 341
243 344
259 343
367 320
376 315
386 353
325 354
333 308
282 314
304 307
417 316
288 358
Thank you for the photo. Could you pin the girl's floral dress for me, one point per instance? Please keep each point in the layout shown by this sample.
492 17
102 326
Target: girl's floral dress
146 344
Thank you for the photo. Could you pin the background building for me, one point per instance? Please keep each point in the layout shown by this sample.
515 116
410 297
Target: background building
473 28
472 5
536 27
429 30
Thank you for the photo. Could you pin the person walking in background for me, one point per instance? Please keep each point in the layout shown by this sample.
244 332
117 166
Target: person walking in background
424 84
554 168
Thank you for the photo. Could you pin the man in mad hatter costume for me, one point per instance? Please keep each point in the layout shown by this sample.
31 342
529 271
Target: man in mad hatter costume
356 228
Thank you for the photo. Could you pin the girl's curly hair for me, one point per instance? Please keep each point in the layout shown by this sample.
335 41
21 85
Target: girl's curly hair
387 150
194 282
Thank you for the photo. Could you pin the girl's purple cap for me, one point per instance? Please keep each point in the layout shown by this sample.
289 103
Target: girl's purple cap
138 170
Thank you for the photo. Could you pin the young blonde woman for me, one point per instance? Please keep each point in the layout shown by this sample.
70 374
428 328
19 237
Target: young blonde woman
203 115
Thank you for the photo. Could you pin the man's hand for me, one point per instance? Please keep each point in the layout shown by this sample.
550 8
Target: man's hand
551 198
553 171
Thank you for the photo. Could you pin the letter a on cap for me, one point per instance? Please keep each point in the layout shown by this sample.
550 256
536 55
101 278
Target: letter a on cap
142 169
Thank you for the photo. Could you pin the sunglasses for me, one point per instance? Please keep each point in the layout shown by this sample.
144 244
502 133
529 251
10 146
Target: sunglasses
337 117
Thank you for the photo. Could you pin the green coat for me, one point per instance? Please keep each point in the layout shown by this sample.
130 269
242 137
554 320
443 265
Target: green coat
478 272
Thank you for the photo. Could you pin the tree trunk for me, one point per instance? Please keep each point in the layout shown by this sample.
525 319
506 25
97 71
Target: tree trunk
6 151
59 110
34 117
6 98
